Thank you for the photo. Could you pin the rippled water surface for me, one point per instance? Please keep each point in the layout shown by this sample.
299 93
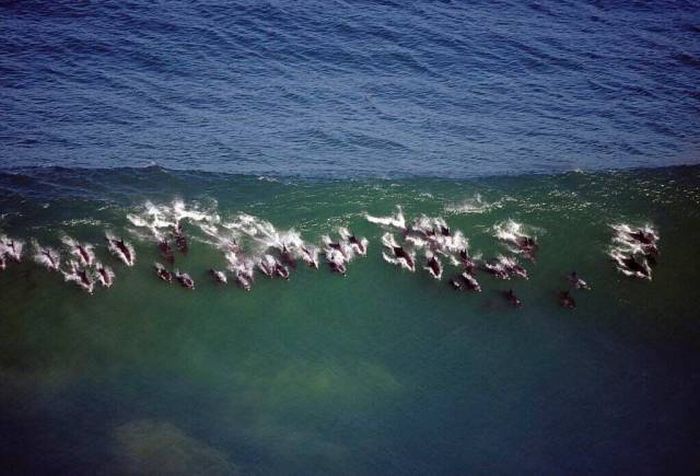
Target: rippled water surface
350 88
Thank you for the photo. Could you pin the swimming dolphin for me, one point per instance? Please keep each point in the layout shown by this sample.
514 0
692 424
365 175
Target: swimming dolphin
398 255
433 266
528 246
180 240
47 257
511 266
166 251
512 298
577 282
645 236
566 300
87 258
467 262
287 258
336 261
359 245
83 252
121 249
470 283
402 254
282 271
85 280
10 249
496 268
642 269
629 265
243 270
79 276
267 265
163 273
105 275
185 280
310 256
219 276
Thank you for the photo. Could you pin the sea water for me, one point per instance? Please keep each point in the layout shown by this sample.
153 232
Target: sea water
381 371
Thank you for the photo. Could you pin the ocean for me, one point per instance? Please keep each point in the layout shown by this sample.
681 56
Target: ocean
516 142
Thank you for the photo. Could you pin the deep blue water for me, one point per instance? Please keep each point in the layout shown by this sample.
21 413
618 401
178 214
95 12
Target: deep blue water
350 89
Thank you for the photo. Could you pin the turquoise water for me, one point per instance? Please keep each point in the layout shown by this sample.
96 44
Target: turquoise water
379 372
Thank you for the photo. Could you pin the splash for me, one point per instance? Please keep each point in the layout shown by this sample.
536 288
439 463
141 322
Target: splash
634 249
516 238
397 220
474 205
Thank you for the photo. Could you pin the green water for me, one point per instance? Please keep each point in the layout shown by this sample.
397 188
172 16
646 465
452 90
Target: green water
380 372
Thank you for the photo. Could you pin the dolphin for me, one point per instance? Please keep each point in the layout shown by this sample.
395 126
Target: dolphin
219 276
470 283
433 266
185 280
566 300
105 275
577 282
512 298
166 251
163 273
181 240
121 249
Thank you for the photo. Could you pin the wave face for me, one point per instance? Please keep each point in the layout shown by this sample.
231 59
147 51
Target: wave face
386 370
331 88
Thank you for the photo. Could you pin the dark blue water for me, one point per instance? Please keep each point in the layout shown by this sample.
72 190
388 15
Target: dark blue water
350 88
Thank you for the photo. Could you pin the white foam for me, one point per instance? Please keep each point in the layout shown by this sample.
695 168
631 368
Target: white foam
474 205
396 221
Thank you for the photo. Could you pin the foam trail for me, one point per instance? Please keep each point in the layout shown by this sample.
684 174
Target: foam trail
474 205
158 218
396 221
